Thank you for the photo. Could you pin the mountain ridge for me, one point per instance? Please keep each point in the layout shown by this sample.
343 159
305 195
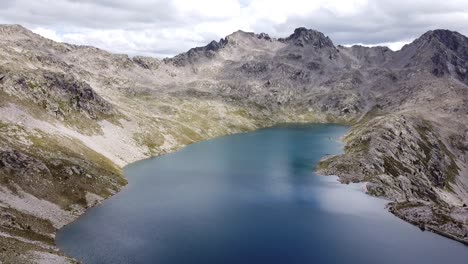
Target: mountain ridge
77 114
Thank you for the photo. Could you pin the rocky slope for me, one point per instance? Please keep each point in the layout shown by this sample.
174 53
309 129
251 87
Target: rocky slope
72 116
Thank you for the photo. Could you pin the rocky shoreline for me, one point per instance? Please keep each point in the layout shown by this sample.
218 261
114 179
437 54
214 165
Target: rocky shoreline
425 227
72 116
392 172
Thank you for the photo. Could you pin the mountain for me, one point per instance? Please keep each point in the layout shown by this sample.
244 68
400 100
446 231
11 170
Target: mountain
72 116
441 52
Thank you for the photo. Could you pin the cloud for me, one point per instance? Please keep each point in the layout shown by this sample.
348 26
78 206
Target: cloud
165 28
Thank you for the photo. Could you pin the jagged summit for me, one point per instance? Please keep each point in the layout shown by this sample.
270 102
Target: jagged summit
451 39
442 38
195 54
303 37
240 34
442 52
71 114
236 39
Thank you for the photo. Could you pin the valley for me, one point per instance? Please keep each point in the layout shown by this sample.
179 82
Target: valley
71 117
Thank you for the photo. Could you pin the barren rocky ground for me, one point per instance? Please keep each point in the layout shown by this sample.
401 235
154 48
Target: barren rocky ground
72 116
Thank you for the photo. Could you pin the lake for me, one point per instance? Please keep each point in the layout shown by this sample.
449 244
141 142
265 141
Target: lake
249 198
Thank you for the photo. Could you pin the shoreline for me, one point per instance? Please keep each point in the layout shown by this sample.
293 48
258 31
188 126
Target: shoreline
69 132
67 259
422 226
362 187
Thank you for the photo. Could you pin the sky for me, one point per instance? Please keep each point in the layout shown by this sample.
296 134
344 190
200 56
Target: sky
164 28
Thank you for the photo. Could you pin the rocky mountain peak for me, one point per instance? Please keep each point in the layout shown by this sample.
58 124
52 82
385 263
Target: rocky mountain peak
194 54
237 39
71 114
442 52
215 45
443 35
308 37
449 39
246 36
13 30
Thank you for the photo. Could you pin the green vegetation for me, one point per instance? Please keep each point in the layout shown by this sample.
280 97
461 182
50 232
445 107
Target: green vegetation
325 163
394 167
376 192
33 85
242 113
67 166
451 169
152 141
361 146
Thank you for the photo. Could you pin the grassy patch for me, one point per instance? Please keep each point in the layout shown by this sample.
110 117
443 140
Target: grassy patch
325 163
150 140
451 170
242 113
74 170
394 167
358 146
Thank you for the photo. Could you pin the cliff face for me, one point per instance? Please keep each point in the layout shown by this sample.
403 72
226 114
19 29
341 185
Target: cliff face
72 116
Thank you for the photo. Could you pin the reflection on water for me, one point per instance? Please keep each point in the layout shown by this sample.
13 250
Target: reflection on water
249 198
333 197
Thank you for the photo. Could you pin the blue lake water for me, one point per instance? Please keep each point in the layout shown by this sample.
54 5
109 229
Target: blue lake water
249 198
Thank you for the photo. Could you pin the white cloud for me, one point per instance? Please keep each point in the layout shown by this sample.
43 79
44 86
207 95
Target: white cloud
168 27
209 9
48 33
397 45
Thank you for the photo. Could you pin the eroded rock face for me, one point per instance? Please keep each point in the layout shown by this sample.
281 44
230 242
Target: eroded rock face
13 161
197 54
80 96
254 68
402 150
442 52
58 93
303 37
147 62
404 159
